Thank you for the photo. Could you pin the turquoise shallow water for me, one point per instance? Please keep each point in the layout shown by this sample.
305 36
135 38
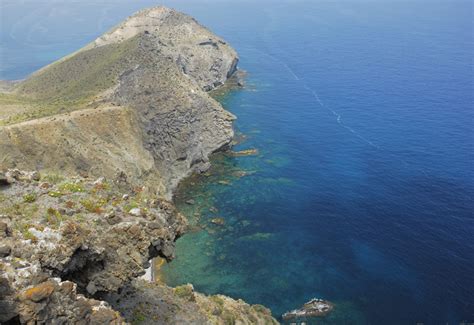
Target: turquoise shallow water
362 188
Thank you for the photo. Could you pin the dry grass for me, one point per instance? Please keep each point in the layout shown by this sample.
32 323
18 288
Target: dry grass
68 85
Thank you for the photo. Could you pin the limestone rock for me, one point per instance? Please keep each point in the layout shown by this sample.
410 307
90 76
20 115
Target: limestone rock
200 54
98 256
55 302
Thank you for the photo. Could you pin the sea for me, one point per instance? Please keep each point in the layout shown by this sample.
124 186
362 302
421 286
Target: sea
354 182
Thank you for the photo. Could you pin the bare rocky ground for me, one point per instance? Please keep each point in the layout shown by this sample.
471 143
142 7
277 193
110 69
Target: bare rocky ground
69 247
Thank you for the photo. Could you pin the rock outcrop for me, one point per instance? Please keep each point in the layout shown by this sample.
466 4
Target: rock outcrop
80 231
152 303
207 59
112 128
72 249
312 309
132 102
53 302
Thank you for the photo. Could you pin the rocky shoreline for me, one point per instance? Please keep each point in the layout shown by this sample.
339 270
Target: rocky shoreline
112 128
71 248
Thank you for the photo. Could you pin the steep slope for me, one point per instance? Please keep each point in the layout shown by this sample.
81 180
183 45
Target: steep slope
152 72
68 245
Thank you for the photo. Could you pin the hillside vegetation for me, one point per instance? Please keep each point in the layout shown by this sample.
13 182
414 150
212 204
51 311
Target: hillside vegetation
70 84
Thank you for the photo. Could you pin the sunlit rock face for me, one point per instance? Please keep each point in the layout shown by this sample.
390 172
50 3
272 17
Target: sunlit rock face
134 102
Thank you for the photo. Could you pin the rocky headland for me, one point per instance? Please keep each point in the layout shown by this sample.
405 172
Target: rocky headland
106 134
134 103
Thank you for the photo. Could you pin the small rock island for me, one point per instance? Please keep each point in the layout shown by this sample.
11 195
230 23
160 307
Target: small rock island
313 308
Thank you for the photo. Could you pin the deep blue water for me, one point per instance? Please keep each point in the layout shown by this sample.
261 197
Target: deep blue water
362 191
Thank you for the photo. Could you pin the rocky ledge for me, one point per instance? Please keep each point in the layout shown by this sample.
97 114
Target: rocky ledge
55 230
69 247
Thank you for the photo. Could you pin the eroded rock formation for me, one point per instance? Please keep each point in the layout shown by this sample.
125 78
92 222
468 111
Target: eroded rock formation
80 231
131 114
139 103
68 245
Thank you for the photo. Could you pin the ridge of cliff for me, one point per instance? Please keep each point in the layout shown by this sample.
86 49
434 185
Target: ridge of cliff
134 101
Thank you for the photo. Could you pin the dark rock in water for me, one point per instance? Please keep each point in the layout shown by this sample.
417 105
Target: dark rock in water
313 308
242 153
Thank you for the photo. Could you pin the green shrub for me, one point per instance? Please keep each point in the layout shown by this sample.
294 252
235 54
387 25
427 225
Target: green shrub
228 317
55 193
185 292
27 235
29 198
131 205
138 317
72 187
53 217
218 300
94 206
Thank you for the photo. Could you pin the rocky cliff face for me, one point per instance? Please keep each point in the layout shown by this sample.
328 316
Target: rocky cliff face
132 106
133 102
68 245
55 230
204 57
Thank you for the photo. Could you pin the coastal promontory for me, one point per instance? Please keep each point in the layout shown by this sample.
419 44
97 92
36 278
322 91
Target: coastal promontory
133 103
92 147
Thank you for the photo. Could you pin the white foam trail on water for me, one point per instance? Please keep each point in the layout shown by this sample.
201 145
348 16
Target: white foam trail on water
268 39
317 99
339 118
286 66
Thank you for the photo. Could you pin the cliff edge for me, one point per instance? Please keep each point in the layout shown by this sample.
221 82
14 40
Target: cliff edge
132 104
112 129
